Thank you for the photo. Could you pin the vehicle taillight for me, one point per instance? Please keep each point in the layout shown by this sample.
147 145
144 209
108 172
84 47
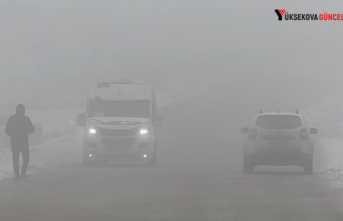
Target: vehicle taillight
253 133
303 134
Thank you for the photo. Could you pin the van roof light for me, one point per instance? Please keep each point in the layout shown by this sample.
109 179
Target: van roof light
127 81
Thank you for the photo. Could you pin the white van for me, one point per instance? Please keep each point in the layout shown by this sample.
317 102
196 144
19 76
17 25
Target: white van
120 123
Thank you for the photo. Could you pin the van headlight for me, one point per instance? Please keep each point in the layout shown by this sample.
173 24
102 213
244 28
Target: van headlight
92 130
143 131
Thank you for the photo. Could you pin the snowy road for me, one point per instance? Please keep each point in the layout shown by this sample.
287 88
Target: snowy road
198 177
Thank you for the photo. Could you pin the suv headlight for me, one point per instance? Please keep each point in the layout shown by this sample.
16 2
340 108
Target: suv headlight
143 131
92 130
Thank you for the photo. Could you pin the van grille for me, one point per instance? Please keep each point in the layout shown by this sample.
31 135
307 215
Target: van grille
118 133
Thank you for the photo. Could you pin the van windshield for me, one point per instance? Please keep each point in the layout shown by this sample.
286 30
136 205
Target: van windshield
128 108
278 121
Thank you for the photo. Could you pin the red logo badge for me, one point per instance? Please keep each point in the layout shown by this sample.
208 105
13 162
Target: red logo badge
282 11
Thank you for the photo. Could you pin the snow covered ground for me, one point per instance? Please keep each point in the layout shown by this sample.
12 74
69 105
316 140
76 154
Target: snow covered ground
333 160
327 117
66 146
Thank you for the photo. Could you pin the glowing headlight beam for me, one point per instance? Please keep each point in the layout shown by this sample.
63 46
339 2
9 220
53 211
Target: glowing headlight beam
143 131
92 131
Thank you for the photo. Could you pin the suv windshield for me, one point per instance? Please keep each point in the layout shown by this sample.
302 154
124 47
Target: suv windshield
131 108
278 121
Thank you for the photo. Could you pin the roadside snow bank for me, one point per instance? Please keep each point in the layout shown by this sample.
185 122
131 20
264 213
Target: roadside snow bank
52 152
327 116
5 164
333 160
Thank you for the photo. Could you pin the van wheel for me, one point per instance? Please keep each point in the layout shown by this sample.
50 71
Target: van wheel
248 167
308 165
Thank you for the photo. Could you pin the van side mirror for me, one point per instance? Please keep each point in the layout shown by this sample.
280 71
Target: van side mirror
313 131
245 130
81 119
157 120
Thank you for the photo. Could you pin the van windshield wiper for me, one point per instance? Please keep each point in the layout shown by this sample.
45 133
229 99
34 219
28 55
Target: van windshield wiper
97 120
123 122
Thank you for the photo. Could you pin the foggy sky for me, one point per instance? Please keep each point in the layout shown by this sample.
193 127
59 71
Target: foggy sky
45 44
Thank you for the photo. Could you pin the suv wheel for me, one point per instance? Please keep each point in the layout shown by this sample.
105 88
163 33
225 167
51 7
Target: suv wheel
308 164
248 167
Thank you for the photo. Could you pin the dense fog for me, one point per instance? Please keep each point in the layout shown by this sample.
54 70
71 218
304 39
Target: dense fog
191 150
74 43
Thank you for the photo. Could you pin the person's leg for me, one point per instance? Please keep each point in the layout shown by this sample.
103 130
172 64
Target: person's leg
26 158
15 155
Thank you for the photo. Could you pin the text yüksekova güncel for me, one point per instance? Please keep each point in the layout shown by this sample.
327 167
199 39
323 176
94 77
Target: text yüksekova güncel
324 16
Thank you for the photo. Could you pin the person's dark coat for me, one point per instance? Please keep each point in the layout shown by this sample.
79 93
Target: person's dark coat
19 127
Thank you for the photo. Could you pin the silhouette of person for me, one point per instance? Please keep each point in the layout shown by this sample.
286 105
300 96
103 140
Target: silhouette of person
18 127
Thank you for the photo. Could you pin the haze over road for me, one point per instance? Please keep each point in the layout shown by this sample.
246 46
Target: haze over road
198 177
